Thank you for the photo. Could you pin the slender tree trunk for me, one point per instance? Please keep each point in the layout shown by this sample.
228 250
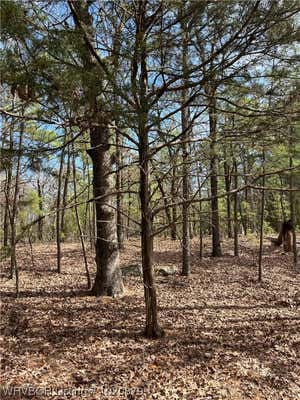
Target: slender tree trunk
200 216
165 200
139 59
262 217
215 223
245 217
227 188
292 202
7 189
31 248
120 233
40 223
128 206
174 207
66 178
14 212
236 223
185 125
152 329
88 279
58 206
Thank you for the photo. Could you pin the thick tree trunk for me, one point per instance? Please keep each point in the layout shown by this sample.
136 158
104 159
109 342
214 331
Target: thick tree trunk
108 280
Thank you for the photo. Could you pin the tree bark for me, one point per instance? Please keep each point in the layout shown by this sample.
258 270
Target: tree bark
139 89
292 202
7 189
227 178
174 207
152 329
186 129
58 212
108 280
235 199
40 223
215 223
78 221
262 217
14 211
66 178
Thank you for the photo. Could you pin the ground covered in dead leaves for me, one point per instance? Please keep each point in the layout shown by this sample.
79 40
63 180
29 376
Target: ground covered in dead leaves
227 337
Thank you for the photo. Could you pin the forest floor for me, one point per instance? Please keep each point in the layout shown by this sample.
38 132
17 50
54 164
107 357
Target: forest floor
227 336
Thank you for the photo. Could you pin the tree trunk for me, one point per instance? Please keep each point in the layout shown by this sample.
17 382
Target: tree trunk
236 223
40 223
7 189
174 207
262 217
227 188
152 329
215 224
120 233
292 202
108 280
58 211
14 211
66 179
200 215
78 221
186 129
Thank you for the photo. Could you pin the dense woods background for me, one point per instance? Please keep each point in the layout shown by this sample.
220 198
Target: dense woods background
173 121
